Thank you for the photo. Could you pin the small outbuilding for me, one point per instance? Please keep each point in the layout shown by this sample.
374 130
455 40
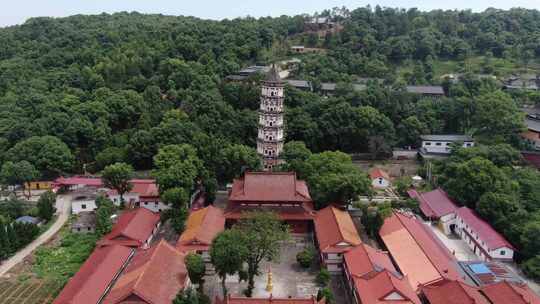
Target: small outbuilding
85 223
380 179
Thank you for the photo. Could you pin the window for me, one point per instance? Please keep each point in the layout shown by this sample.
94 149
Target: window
438 144
78 229
468 144
145 203
89 229
503 252
428 144
83 206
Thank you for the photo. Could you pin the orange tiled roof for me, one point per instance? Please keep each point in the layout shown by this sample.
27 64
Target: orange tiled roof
133 228
335 230
385 287
505 293
269 187
377 172
453 292
417 252
202 227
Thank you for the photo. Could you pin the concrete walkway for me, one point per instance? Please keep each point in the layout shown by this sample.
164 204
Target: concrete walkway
63 210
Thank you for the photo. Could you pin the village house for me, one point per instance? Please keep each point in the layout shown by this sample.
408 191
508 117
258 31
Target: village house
417 251
76 182
426 91
38 185
532 158
532 135
335 234
452 292
380 179
372 278
280 192
26 219
144 194
84 223
303 85
437 206
96 275
84 201
134 228
525 82
441 145
202 226
481 237
154 276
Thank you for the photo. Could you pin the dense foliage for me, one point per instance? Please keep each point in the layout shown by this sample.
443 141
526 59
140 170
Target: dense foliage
14 236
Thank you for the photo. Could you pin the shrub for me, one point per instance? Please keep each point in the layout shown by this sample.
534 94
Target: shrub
323 277
327 294
305 257
532 267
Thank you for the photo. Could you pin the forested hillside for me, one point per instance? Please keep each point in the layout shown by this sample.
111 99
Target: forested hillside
93 90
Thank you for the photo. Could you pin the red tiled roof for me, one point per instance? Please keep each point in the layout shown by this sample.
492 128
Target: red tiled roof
202 227
385 287
453 292
335 230
143 187
78 180
95 275
377 173
505 292
133 228
271 300
155 276
417 251
492 238
364 259
533 158
268 187
434 204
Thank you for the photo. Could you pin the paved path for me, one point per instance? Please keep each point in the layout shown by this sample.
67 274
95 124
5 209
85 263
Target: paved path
63 207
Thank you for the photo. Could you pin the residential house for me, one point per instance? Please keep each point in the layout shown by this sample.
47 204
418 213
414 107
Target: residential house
280 192
96 275
202 227
481 237
300 84
83 202
426 91
437 206
229 299
532 158
154 276
417 252
134 228
144 193
335 234
523 82
372 278
38 185
506 292
329 88
442 144
380 179
76 182
26 219
532 135
452 292
84 223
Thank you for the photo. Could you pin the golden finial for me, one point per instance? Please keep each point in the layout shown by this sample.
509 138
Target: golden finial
269 284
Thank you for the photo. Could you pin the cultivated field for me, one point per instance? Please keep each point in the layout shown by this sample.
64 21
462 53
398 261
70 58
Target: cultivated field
28 292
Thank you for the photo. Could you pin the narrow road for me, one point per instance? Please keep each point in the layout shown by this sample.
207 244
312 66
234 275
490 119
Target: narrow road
63 209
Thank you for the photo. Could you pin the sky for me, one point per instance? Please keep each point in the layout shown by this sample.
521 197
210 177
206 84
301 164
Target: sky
17 11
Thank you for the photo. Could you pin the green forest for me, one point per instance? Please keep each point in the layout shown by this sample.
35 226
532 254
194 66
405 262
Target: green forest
81 93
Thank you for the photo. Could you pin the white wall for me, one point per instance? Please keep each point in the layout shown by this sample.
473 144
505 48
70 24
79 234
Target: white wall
77 206
152 206
441 146
380 182
445 222
476 241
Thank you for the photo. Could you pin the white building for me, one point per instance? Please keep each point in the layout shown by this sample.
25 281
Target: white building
83 204
442 144
486 243
143 194
379 178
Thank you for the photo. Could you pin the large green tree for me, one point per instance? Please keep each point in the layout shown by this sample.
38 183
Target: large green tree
118 177
228 254
262 233
18 173
46 205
